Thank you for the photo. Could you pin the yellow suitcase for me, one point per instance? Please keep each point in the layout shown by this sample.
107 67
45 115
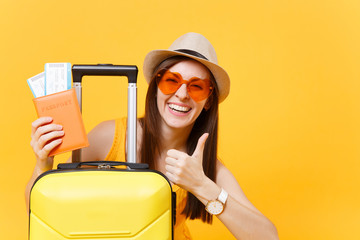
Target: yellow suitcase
103 202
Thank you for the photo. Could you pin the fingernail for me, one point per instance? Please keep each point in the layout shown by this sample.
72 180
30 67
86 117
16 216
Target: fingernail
49 119
62 132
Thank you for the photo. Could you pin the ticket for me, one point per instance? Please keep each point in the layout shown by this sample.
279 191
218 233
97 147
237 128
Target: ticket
57 77
37 84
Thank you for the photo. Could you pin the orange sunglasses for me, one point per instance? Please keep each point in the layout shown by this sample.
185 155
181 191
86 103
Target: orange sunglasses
198 89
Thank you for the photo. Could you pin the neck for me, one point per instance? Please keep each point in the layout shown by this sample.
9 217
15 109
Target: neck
174 138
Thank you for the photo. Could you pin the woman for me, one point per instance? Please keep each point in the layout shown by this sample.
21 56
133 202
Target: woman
177 136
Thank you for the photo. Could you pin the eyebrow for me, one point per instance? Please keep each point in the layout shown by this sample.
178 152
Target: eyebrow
178 75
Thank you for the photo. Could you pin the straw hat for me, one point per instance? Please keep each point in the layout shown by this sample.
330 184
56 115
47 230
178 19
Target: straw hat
197 47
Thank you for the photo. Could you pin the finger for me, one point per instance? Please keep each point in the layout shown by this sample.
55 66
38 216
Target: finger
49 147
171 161
49 137
39 122
46 129
200 146
171 177
171 169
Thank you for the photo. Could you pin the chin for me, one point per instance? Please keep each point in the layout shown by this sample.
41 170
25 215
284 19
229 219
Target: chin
177 123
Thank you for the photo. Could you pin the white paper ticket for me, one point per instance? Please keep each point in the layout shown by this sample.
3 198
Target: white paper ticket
37 84
57 77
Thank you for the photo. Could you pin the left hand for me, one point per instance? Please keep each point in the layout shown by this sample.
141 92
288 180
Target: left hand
184 170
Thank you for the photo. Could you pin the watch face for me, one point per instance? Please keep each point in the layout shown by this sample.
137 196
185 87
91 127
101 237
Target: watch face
214 207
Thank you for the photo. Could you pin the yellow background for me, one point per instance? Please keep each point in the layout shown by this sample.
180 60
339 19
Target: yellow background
289 130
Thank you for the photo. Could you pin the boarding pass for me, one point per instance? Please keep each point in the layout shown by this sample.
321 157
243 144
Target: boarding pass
56 78
37 84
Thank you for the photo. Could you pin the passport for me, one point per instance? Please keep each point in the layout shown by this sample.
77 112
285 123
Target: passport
64 108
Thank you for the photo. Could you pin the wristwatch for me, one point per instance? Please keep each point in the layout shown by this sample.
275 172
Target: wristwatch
216 207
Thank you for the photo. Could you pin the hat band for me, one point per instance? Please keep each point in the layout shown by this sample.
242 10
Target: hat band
191 52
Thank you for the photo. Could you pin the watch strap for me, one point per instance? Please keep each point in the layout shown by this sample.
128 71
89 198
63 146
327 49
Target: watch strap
223 196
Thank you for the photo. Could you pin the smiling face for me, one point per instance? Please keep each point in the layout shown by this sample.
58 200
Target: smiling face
179 110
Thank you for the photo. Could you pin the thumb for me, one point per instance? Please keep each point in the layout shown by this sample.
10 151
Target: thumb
198 153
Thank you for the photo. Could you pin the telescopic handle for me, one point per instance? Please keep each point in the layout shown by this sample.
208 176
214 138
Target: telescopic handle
130 71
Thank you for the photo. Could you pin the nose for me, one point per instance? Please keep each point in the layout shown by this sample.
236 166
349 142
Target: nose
182 93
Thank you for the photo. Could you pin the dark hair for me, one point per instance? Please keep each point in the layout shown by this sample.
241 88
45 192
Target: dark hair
207 122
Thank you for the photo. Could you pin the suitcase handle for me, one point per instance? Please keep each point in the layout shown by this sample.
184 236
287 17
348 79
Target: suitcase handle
130 71
103 165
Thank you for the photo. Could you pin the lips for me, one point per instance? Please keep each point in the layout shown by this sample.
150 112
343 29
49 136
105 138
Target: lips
179 108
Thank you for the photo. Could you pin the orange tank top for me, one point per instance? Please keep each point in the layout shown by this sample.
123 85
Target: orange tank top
117 153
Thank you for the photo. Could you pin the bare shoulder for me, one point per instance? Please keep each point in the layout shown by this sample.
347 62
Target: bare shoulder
104 128
226 180
100 139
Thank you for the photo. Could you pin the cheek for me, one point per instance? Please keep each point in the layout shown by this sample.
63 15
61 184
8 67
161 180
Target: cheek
160 100
199 108
201 105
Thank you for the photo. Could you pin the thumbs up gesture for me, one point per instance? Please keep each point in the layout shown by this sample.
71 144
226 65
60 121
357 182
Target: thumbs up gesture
184 170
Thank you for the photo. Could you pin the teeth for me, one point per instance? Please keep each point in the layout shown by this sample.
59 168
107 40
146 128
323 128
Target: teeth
179 108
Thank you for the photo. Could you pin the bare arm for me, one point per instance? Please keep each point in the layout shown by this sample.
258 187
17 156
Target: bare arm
100 142
240 216
242 219
44 138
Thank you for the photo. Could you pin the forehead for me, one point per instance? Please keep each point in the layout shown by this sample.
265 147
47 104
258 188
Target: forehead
189 69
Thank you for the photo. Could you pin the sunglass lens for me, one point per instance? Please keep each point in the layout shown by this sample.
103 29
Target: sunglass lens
168 84
199 89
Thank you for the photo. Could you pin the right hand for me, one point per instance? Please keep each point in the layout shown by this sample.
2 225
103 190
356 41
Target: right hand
45 136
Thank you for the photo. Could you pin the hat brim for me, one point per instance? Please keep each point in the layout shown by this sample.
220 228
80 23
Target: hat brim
155 57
